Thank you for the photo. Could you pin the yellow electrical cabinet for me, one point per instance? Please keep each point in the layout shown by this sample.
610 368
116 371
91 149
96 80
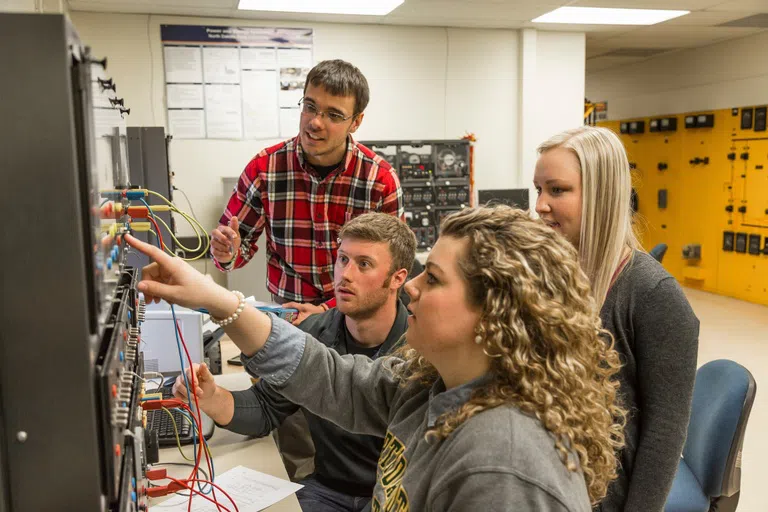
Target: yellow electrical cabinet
701 180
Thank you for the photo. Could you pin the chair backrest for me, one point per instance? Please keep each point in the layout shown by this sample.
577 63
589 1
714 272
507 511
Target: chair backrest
722 400
658 252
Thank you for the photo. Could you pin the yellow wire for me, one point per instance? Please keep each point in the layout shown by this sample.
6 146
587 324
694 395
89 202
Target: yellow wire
176 431
178 441
192 222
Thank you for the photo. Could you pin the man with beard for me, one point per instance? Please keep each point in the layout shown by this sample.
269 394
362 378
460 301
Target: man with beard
376 251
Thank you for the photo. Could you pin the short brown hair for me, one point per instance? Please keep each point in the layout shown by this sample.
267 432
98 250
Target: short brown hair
382 227
340 78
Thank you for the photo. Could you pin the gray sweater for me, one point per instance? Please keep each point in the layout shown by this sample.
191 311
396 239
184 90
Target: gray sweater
344 461
499 460
656 335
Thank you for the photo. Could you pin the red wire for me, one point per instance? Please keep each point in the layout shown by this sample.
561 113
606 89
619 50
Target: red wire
157 230
190 484
199 420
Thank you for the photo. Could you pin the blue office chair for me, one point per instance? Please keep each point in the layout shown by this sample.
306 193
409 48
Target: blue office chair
709 474
658 252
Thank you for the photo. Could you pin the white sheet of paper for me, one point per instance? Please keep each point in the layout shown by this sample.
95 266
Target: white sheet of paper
223 112
289 121
221 65
258 58
184 95
251 490
294 58
183 64
186 124
260 116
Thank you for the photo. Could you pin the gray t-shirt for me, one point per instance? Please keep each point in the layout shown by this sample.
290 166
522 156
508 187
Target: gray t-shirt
657 337
499 460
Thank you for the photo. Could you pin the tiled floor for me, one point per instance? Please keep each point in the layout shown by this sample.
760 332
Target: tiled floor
736 330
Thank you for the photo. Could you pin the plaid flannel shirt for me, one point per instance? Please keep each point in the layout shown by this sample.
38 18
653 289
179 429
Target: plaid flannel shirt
302 213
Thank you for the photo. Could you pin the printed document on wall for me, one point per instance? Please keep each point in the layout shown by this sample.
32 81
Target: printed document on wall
183 64
232 82
186 124
224 115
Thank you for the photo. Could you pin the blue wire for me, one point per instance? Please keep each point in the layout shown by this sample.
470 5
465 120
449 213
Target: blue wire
202 441
181 358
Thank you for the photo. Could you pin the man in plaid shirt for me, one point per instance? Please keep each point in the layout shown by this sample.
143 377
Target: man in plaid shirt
303 190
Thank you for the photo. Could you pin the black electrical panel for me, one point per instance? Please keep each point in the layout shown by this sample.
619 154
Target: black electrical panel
452 160
451 193
741 242
754 244
417 196
662 198
700 121
434 174
416 162
422 223
624 128
746 118
728 238
388 152
760 119
664 124
637 127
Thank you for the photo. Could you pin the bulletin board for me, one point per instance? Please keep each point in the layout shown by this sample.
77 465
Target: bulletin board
234 82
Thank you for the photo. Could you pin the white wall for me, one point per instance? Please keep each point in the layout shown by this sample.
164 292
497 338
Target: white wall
552 92
723 75
426 82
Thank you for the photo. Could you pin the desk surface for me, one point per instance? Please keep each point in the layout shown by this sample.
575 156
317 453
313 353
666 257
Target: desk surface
230 449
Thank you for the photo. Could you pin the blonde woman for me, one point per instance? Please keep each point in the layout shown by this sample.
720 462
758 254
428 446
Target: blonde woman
584 186
503 398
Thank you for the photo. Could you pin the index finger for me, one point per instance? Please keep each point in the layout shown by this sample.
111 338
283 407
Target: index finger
153 252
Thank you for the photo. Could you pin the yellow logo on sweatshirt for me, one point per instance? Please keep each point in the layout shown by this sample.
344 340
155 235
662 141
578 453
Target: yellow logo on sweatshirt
392 466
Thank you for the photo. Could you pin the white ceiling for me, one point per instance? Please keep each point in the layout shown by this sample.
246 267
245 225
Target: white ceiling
699 28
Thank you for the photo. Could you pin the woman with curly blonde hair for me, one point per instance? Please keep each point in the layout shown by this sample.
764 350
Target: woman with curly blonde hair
502 399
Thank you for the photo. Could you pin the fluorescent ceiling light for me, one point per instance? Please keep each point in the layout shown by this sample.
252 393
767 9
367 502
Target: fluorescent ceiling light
362 7
606 16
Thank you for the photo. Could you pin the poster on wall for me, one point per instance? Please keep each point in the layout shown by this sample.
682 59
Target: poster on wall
234 82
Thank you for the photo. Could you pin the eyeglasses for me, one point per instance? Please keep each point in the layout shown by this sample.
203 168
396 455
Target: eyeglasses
311 110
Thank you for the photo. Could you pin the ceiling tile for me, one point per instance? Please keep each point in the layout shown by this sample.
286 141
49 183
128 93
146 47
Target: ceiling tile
677 5
706 18
740 5
600 63
662 36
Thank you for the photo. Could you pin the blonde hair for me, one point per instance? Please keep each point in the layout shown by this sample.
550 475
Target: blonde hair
606 191
540 327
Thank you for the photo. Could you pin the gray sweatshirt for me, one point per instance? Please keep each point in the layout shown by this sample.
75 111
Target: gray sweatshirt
657 337
499 460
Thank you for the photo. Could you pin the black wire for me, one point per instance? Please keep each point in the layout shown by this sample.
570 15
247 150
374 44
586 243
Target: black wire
187 464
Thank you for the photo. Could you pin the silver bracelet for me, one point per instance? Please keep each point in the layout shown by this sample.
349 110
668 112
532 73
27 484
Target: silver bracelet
231 318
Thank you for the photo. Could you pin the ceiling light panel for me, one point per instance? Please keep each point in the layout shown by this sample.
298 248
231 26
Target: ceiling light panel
357 7
607 16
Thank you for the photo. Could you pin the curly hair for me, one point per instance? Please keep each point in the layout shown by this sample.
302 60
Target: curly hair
540 326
